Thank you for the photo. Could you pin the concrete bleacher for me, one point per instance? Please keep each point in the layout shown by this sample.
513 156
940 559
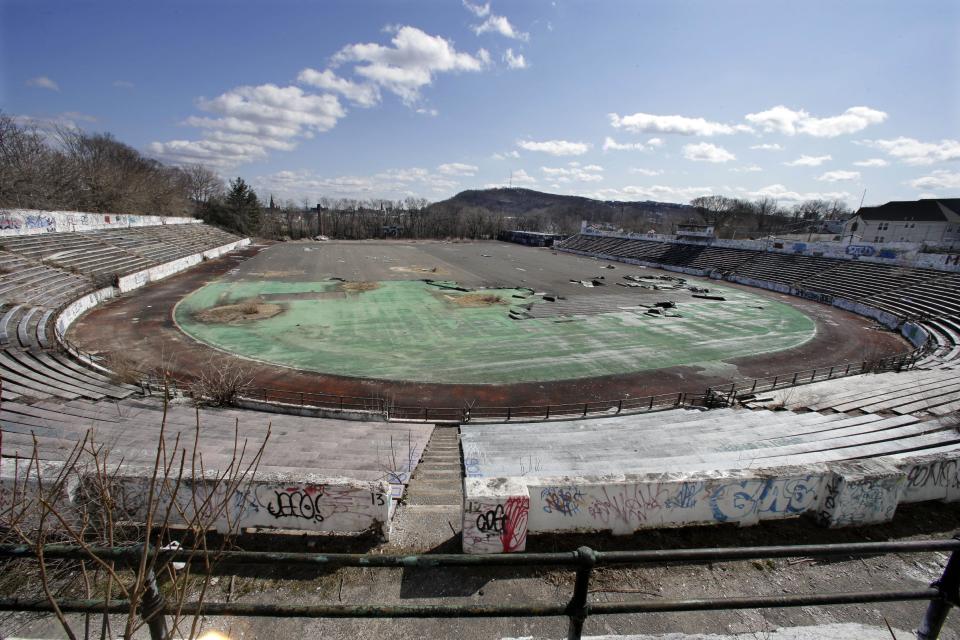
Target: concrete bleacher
353 471
41 274
905 292
685 467
918 392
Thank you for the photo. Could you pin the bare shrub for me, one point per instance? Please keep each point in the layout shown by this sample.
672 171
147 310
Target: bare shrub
249 308
220 382
88 500
125 370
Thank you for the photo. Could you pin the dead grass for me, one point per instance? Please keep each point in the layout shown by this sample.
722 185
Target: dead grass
478 300
246 311
360 287
125 369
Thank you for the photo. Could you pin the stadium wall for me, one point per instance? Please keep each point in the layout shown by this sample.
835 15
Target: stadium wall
20 222
499 513
905 254
300 502
69 314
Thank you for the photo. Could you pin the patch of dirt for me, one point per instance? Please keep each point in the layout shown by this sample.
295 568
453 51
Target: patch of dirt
246 311
359 287
415 268
276 274
478 300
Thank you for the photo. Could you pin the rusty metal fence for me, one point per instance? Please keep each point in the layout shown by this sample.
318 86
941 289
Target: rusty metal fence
941 595
728 394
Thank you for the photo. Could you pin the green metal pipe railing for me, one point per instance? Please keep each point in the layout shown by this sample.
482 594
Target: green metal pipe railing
942 595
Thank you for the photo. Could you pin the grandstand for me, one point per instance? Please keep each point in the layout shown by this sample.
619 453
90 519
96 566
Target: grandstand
906 293
643 463
41 274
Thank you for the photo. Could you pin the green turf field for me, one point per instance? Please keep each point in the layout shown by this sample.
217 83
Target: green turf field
411 330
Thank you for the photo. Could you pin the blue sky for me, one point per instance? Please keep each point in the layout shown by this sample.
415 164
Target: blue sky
617 100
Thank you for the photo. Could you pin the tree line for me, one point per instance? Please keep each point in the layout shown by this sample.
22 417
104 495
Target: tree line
69 169
765 216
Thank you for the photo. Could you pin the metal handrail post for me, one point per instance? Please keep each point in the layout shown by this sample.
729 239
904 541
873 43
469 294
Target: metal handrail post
949 587
578 609
152 606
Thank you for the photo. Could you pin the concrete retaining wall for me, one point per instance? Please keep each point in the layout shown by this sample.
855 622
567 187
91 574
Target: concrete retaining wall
499 513
161 271
20 222
915 333
81 305
300 502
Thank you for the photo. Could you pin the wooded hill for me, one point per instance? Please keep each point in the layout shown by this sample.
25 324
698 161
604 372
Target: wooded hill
535 210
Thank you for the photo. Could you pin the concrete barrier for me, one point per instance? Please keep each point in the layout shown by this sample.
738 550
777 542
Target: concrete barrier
19 222
499 513
934 476
167 269
23 484
69 314
298 502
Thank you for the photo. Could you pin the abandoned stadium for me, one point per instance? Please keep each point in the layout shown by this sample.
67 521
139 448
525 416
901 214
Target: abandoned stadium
464 401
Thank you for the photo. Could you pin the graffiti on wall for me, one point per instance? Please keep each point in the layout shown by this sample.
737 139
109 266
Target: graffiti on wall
860 250
496 527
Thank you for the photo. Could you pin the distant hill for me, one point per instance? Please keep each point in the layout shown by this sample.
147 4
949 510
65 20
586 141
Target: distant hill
537 209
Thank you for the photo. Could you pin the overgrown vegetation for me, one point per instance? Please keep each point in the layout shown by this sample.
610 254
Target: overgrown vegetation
116 505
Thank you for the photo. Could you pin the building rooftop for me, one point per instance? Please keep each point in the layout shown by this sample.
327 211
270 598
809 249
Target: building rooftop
925 210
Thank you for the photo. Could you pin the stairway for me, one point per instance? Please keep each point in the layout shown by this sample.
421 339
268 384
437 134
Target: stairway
429 517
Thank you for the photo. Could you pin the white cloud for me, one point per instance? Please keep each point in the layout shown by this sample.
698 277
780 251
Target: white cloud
514 61
839 176
123 84
808 161
750 168
65 120
655 142
500 24
646 172
43 82
780 192
392 184
913 151
365 95
270 105
658 192
609 144
939 179
211 152
767 147
781 119
479 10
522 177
506 154
649 123
433 113
410 63
251 120
706 152
573 172
555 147
458 169
872 162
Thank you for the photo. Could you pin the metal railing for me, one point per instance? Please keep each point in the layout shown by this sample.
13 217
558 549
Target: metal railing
728 394
942 594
